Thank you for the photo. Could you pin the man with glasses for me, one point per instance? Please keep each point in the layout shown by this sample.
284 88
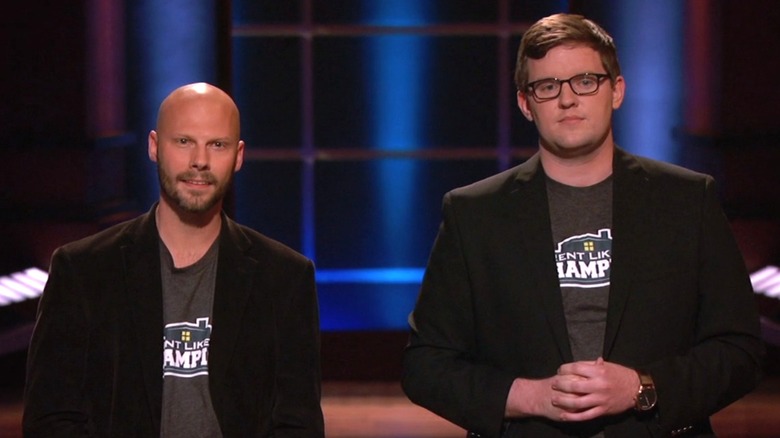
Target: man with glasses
522 328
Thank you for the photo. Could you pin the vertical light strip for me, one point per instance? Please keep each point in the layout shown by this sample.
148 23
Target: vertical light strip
308 150
174 43
702 96
397 63
649 37
105 87
396 73
505 109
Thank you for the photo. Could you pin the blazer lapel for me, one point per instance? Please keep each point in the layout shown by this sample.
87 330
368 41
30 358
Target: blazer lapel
534 218
144 288
233 285
629 207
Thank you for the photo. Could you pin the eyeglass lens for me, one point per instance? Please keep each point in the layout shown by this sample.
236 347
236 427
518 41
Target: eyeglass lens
586 83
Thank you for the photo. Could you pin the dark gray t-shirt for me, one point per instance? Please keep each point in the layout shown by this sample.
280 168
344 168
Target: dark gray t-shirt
188 294
581 220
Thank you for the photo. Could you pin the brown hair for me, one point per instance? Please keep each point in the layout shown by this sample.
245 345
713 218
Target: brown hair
564 29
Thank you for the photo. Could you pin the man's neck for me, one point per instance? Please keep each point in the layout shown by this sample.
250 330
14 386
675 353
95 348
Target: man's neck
187 235
581 171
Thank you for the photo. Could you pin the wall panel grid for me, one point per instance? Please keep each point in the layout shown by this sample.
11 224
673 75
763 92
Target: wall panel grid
358 116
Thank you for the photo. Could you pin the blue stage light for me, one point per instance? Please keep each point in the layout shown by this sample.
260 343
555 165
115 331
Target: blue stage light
378 275
175 44
649 36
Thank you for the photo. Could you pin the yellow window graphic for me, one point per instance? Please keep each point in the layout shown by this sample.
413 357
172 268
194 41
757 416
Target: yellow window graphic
589 246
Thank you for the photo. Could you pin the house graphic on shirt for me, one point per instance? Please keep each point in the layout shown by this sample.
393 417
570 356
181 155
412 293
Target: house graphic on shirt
186 348
584 261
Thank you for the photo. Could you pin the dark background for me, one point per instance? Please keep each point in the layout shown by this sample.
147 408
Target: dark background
358 117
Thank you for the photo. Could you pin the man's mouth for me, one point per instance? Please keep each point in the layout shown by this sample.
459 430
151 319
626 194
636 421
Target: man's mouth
200 180
570 119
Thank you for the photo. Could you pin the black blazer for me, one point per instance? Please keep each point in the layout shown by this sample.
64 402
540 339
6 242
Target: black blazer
490 307
95 359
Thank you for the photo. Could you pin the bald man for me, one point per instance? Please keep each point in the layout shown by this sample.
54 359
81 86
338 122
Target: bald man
180 322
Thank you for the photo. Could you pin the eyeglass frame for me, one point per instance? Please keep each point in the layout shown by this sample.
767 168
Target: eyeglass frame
599 78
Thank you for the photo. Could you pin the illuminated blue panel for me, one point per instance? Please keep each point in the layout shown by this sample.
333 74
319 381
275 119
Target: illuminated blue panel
397 66
649 37
394 76
367 276
361 306
174 44
367 299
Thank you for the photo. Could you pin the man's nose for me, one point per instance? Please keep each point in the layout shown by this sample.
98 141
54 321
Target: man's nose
567 96
199 158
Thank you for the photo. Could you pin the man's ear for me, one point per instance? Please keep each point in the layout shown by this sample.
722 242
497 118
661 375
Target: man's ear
523 104
152 148
239 156
618 92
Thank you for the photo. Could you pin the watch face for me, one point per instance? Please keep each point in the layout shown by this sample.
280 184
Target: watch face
646 399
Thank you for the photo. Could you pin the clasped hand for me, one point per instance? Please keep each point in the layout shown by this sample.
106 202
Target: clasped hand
580 391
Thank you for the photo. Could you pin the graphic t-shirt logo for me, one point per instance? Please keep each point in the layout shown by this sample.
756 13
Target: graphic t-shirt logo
186 348
584 261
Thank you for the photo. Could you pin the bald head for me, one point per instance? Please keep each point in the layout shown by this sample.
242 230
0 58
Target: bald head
196 147
198 96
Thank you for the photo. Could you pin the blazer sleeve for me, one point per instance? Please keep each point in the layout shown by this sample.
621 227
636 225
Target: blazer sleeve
53 402
297 411
440 369
725 359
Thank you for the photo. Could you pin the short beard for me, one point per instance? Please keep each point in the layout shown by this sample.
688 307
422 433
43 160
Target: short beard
195 204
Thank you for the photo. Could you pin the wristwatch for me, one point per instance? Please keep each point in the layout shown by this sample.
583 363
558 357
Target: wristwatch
646 397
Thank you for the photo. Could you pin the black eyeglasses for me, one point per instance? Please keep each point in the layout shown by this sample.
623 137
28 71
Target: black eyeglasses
581 85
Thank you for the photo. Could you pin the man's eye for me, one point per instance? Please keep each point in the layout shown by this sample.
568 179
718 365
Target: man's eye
546 86
182 141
